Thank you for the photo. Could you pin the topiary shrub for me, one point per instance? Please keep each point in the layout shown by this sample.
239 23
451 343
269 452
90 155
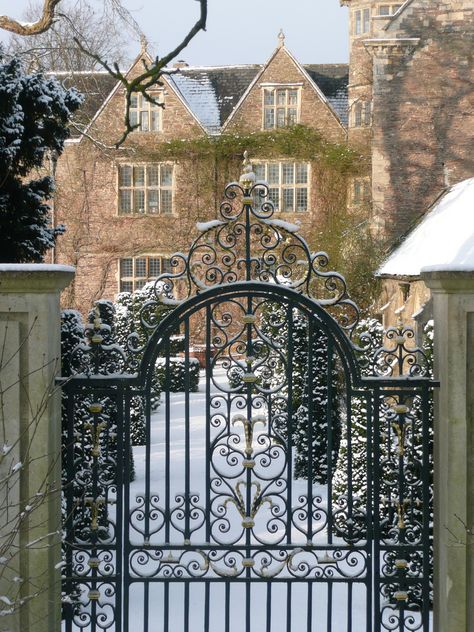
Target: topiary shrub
177 374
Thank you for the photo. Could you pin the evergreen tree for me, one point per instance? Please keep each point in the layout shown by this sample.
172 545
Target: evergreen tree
34 115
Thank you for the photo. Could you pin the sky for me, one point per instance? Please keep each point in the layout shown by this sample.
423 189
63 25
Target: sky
239 31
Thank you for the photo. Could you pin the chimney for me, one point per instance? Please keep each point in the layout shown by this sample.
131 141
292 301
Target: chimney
181 64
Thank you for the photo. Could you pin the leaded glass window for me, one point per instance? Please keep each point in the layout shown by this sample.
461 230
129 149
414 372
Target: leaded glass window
145 189
280 107
288 184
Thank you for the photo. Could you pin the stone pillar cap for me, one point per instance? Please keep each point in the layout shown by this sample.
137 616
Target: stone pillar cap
454 277
34 277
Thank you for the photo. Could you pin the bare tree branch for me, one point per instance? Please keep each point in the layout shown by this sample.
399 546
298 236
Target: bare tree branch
152 73
40 26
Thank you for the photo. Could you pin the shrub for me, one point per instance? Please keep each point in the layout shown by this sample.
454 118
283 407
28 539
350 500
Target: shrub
177 374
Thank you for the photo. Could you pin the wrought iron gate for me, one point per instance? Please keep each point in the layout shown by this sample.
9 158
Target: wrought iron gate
290 492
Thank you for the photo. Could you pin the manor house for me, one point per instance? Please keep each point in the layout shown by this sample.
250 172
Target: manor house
404 100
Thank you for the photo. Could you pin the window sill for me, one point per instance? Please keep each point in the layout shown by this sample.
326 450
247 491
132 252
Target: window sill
143 215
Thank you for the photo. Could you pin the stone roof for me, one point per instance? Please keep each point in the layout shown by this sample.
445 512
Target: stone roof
333 80
213 92
210 92
94 85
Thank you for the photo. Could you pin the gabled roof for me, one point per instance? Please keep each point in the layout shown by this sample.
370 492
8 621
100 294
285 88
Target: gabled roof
333 80
302 70
211 94
444 237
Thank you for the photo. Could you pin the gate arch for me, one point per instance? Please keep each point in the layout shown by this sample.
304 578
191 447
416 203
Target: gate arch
255 290
253 506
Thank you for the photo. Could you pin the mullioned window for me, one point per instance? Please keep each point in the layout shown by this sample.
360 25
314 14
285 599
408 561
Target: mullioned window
134 272
145 189
288 184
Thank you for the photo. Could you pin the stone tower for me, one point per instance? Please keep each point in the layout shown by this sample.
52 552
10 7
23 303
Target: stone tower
366 21
411 64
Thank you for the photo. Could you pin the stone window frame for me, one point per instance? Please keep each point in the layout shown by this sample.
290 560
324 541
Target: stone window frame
138 277
361 191
281 185
145 107
391 9
362 18
280 87
159 188
362 113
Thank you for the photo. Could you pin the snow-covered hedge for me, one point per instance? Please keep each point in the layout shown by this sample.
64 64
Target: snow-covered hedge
177 374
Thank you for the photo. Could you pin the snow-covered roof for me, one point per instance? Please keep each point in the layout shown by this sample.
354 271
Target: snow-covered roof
445 236
211 93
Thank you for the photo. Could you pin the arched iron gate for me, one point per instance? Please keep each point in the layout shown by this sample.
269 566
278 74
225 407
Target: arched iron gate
291 492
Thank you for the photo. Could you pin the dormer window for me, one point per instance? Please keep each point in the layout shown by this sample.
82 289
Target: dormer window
146 115
280 107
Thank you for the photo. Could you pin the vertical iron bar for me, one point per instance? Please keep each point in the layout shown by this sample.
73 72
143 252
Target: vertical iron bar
166 608
248 551
187 452
147 506
376 507
93 534
350 508
368 511
167 441
329 611
309 611
269 606
426 519
227 607
349 606
122 456
127 447
69 491
207 605
288 606
329 404
289 454
309 430
208 423
248 595
186 606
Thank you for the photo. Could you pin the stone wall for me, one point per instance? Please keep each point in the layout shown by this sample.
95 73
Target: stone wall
423 110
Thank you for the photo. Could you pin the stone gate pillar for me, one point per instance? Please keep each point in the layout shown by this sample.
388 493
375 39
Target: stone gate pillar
453 303
30 446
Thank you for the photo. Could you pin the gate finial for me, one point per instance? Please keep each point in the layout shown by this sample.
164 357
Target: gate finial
248 177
